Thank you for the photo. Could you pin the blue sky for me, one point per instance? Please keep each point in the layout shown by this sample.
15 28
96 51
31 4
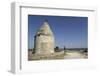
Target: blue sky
69 31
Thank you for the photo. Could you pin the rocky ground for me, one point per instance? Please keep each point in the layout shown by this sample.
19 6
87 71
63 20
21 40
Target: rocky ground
58 55
75 55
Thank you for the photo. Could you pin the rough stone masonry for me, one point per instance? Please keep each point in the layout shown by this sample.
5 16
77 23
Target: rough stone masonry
44 40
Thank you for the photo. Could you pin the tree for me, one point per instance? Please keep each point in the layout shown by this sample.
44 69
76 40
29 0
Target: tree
64 48
56 48
86 50
33 51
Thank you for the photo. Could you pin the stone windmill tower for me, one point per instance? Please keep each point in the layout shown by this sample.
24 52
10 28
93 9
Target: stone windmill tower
44 40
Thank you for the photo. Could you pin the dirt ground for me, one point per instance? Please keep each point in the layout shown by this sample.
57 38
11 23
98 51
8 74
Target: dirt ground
58 55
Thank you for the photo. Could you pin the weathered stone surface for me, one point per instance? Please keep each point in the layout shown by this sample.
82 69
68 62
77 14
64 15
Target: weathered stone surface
44 40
